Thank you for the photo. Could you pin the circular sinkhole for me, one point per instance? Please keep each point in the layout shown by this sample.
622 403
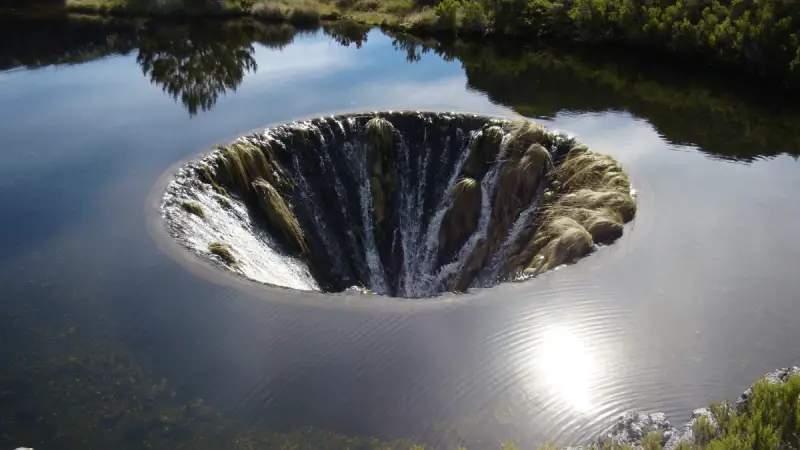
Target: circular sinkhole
406 204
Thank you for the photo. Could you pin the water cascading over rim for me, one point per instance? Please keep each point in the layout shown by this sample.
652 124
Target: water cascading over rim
399 203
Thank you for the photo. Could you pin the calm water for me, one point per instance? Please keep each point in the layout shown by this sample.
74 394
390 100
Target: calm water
108 341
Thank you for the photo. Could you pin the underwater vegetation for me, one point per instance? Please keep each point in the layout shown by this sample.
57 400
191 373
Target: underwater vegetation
413 204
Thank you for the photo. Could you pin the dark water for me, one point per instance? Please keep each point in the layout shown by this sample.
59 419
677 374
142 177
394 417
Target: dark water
108 342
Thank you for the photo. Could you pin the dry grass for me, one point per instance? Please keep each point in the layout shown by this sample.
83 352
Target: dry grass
560 241
614 200
461 218
483 152
304 13
584 169
243 162
223 252
204 174
380 134
194 208
590 205
279 214
525 133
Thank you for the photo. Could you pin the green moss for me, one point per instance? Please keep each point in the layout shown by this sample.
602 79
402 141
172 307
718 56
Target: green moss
194 208
223 252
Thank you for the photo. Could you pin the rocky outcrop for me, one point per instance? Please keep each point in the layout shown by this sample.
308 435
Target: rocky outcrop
685 435
632 426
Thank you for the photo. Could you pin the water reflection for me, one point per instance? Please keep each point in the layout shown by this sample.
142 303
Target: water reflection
196 63
725 119
357 373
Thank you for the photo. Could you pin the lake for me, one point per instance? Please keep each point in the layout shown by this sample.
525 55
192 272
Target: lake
109 342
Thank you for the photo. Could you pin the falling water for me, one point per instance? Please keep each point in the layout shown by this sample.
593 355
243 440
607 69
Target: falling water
330 175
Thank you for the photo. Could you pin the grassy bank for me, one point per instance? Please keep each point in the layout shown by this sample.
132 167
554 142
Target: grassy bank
758 37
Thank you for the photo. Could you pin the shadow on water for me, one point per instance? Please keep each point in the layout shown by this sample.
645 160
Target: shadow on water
68 379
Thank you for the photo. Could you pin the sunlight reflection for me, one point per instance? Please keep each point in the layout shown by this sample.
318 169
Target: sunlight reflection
567 367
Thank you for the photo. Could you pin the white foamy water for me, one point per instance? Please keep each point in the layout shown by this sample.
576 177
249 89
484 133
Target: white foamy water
226 220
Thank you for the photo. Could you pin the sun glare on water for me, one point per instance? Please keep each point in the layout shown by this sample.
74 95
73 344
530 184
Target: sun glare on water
567 367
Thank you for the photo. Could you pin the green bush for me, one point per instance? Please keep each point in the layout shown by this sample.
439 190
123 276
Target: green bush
703 431
474 17
447 13
652 441
759 36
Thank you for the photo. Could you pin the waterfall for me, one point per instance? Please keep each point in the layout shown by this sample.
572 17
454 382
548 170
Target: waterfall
361 205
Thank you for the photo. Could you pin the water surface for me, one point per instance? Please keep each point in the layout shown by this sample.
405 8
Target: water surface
697 299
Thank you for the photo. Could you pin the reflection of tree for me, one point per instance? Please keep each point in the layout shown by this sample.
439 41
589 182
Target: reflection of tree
347 33
40 40
197 62
721 119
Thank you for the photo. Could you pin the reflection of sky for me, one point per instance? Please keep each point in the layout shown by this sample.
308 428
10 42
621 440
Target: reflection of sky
713 242
312 75
97 120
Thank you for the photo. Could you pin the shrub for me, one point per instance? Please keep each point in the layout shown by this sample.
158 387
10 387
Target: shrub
475 19
703 431
447 13
652 441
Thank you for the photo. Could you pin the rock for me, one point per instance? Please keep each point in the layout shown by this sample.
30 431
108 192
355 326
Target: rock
686 434
632 426
778 376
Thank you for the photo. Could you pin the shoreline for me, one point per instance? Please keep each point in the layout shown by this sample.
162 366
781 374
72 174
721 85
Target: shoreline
422 20
631 428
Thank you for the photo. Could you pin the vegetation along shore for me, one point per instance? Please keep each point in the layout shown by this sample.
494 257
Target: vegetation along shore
759 38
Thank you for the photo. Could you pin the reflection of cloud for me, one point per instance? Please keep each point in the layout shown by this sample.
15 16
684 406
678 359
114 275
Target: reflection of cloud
304 59
448 93
620 134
